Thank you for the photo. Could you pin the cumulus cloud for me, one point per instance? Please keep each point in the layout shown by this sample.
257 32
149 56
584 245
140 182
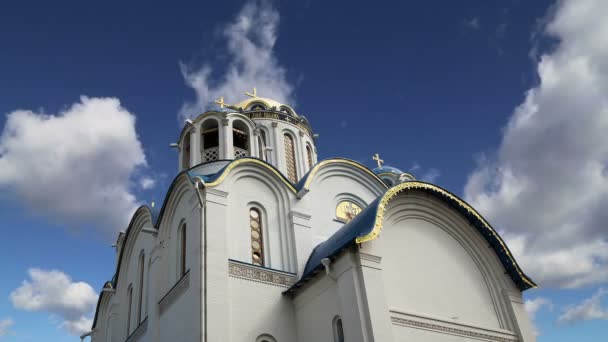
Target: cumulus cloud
74 166
472 23
533 306
54 292
589 309
147 182
546 189
251 38
5 326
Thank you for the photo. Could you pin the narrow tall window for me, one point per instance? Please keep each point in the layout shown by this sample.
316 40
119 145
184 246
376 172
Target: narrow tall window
130 299
338 330
290 158
309 156
186 152
262 145
257 241
182 251
140 291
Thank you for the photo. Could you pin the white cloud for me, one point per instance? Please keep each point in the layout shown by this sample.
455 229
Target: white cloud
533 306
251 63
74 166
147 182
546 190
54 292
430 175
472 23
5 326
589 309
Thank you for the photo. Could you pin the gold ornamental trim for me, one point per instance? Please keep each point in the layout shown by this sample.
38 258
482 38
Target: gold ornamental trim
413 185
240 161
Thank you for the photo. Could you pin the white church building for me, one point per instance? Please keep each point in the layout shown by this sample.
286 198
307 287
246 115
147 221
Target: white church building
258 241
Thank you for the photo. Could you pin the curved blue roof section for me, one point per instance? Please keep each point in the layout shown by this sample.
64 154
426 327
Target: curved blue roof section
387 169
361 225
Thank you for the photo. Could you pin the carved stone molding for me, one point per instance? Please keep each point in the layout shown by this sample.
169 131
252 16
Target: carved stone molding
449 330
176 291
139 332
260 274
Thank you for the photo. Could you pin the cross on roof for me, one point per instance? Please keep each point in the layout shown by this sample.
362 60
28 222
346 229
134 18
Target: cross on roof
221 102
376 157
254 94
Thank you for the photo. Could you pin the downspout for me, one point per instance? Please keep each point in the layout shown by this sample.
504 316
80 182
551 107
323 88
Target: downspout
83 336
202 197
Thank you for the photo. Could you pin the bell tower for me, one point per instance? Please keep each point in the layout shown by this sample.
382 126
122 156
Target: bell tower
256 127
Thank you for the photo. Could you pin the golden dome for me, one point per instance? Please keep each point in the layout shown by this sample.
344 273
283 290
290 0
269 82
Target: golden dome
267 103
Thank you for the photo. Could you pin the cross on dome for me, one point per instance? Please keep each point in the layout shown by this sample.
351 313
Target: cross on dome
376 157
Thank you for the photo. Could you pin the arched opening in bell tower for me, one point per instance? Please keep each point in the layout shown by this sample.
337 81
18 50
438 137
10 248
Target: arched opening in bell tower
186 152
210 140
240 139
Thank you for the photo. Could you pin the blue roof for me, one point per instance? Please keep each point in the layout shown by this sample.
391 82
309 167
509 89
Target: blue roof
361 225
387 169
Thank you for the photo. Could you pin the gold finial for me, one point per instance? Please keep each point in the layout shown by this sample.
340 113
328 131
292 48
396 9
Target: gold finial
254 94
221 102
376 157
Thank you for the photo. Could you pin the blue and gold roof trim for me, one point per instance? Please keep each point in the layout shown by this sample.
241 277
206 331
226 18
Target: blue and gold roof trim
368 224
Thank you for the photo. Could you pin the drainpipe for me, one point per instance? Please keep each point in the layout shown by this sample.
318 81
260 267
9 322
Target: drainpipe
202 197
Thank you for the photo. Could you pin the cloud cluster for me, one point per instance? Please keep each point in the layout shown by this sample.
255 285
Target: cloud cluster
533 306
589 309
5 326
251 63
546 189
75 166
54 292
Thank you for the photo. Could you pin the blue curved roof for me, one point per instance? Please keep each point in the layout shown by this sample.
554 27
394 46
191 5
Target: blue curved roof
387 169
363 224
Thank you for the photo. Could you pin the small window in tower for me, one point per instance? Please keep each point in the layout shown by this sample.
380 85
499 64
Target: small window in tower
290 158
186 151
309 156
257 241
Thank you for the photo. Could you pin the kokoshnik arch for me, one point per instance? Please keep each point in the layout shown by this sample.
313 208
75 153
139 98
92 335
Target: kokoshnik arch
257 241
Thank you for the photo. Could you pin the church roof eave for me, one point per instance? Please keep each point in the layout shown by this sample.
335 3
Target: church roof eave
367 226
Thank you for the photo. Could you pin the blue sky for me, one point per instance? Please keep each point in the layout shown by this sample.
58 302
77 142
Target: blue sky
503 103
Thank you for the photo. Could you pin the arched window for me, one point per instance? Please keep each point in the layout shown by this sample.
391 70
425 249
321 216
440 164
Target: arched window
210 141
140 292
338 329
262 145
257 240
290 157
130 304
309 156
240 139
182 250
265 338
186 151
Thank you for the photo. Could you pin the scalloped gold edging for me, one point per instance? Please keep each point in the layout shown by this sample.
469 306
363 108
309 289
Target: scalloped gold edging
239 161
394 191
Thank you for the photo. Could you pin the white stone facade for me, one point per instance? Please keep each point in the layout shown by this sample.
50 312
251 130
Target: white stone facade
428 276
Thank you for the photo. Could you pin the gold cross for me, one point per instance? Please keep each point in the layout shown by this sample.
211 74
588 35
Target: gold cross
254 94
376 157
221 102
